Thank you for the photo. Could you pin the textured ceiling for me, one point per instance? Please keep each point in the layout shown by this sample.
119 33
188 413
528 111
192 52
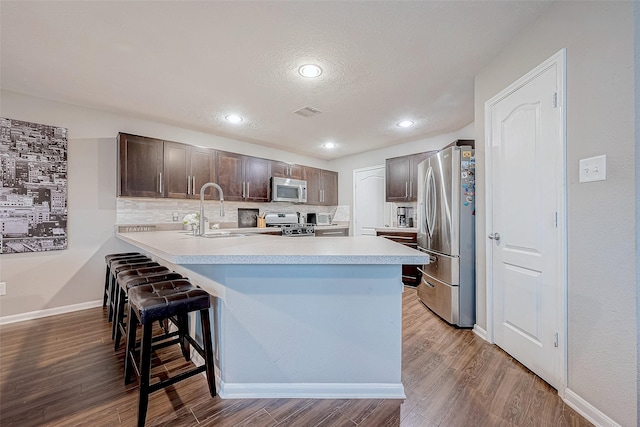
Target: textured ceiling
191 63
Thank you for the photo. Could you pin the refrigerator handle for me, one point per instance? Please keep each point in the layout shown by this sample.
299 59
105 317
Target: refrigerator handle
426 202
430 205
434 205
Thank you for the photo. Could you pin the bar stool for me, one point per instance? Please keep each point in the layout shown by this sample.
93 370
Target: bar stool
108 259
109 276
118 267
128 279
132 272
156 302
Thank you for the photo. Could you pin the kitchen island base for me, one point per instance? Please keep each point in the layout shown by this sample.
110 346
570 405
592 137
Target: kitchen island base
305 331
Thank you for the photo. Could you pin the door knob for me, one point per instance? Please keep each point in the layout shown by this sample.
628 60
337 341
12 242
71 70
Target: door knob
494 236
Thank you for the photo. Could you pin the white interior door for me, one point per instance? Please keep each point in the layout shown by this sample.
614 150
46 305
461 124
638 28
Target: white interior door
368 195
525 254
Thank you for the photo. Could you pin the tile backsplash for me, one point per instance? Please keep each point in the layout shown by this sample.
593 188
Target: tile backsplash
156 211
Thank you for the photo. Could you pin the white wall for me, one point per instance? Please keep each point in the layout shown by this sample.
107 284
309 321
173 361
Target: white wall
49 280
598 36
346 165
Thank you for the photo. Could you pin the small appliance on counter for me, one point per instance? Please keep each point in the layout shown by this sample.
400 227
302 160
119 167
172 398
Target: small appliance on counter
311 218
289 224
405 217
319 218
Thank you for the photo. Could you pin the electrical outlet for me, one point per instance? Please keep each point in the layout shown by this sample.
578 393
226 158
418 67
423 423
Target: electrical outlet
593 169
3 288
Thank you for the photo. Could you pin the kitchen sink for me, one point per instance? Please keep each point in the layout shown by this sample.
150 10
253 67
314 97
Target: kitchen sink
222 234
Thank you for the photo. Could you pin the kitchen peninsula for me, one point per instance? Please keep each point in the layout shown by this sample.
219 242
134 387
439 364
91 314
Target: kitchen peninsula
296 317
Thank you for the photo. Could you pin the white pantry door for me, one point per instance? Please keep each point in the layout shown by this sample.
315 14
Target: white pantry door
525 155
368 195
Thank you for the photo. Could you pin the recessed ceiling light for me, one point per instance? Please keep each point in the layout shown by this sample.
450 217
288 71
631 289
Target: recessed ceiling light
405 123
310 71
233 118
329 145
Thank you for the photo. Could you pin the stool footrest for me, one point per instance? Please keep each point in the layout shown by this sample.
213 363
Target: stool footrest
179 377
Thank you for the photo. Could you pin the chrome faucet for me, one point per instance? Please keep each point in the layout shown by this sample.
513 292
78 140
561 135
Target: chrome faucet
204 187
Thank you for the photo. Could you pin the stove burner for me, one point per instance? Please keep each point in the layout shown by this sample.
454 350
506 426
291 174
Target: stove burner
297 229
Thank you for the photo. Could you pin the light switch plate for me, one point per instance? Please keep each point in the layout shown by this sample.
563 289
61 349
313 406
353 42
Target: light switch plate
3 288
593 169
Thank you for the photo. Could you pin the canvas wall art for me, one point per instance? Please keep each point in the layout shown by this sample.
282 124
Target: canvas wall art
33 187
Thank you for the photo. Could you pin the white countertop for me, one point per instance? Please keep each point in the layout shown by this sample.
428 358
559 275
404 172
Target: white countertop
398 229
181 247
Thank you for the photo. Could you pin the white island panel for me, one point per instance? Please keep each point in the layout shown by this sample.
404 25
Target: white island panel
308 331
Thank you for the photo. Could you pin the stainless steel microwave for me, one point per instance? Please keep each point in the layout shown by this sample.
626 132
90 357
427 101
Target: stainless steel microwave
288 190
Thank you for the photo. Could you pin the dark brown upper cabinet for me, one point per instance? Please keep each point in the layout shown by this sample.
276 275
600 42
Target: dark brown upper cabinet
203 162
186 169
176 170
462 142
402 177
322 186
257 174
151 167
140 166
243 178
286 170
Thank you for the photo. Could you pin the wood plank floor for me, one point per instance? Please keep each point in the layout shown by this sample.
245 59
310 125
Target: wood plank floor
62 371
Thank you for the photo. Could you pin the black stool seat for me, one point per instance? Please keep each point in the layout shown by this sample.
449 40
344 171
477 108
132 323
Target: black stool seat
117 293
108 259
160 300
129 279
155 302
122 265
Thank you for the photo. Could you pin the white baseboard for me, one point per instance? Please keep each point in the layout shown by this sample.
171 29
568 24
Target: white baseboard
303 390
480 332
587 410
311 391
49 312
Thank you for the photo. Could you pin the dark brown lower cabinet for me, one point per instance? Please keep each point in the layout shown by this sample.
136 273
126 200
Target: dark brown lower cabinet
410 273
332 232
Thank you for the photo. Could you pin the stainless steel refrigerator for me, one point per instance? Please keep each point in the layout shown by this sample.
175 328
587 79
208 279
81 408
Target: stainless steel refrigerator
446 232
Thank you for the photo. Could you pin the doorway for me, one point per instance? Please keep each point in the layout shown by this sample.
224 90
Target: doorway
368 200
526 220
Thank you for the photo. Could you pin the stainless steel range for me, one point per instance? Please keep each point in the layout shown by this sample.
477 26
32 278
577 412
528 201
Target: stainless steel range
289 224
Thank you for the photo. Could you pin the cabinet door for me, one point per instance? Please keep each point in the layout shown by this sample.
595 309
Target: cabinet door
398 170
176 170
410 273
335 232
140 166
229 175
257 172
202 171
313 178
286 170
329 188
